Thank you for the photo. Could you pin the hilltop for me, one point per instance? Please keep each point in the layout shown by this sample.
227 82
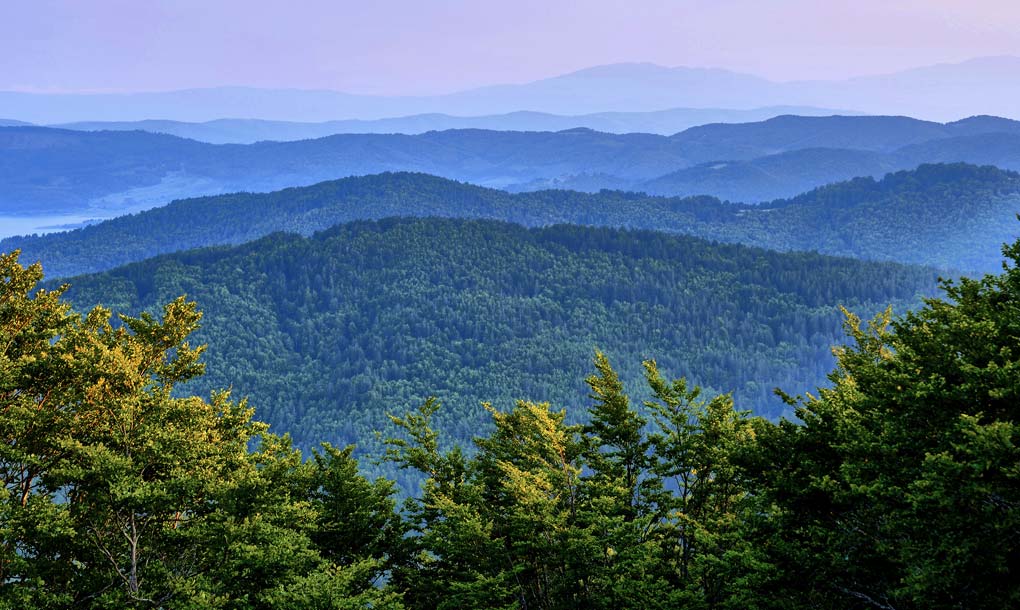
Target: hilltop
969 211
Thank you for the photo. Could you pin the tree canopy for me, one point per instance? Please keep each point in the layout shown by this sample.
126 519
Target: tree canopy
897 488
329 333
119 494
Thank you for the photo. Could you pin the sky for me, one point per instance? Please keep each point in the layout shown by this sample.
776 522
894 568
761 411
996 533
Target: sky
422 47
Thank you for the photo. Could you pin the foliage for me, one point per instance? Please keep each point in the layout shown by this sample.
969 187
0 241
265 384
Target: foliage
328 334
900 488
548 515
896 489
118 494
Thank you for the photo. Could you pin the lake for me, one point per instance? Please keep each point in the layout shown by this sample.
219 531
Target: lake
27 225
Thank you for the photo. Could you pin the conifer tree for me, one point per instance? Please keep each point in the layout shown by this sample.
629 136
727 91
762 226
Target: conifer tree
900 489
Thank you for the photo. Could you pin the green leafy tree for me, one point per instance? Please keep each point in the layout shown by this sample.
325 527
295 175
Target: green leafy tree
36 381
618 449
356 518
616 524
696 444
453 559
118 493
529 469
900 489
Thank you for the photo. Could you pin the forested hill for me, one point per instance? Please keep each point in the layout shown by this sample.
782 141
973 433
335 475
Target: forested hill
329 333
967 211
951 216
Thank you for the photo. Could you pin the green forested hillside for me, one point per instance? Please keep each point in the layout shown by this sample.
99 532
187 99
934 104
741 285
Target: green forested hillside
327 334
950 216
897 488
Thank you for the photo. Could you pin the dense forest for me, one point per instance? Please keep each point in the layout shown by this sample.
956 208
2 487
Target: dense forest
330 333
898 488
52 171
968 211
558 415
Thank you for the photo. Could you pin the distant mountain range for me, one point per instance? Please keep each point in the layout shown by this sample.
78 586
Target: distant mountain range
968 211
942 92
248 131
104 174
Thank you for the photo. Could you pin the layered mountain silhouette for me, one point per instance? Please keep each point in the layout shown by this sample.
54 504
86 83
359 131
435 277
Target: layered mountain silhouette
248 131
942 92
47 170
969 211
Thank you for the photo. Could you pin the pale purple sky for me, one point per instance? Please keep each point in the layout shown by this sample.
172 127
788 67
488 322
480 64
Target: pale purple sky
437 46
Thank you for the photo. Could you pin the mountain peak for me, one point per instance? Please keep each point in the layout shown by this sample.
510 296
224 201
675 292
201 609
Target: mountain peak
618 69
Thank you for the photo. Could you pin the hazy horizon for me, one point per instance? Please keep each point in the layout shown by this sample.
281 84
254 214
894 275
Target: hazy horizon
86 92
400 47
